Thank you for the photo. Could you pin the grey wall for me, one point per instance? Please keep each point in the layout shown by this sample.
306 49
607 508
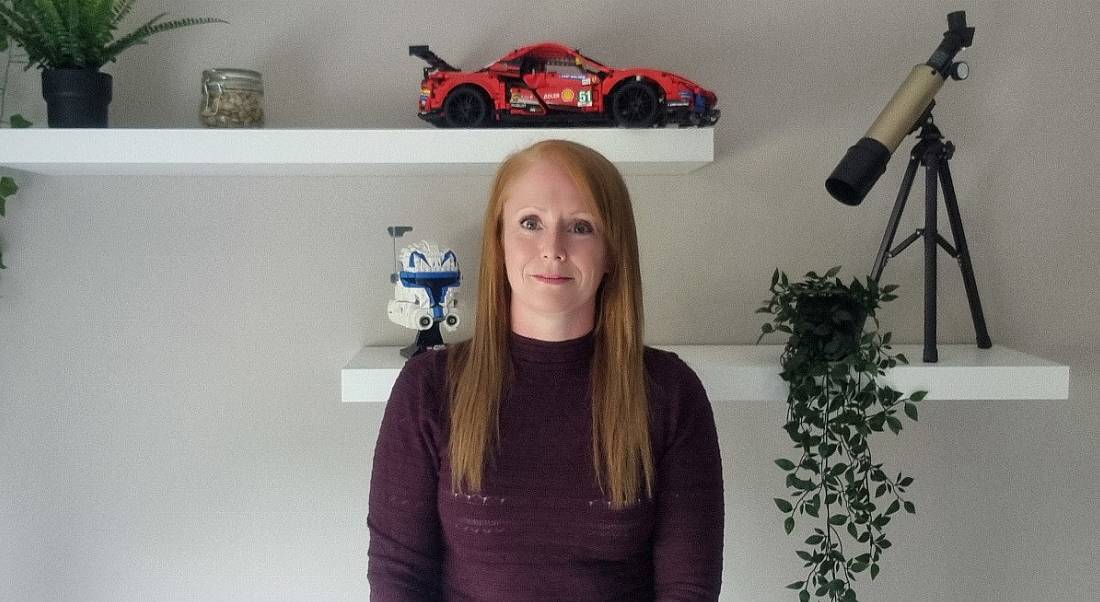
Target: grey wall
170 417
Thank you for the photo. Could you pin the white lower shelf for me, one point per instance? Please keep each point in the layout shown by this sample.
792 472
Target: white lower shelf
311 152
751 373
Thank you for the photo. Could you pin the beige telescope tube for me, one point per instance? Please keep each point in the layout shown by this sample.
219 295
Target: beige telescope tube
899 115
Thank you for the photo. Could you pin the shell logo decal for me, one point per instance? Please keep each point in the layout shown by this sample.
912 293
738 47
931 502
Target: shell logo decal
567 95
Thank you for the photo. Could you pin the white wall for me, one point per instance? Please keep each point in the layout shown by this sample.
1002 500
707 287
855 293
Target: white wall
170 420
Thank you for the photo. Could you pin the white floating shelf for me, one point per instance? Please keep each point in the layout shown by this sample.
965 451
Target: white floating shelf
270 152
751 373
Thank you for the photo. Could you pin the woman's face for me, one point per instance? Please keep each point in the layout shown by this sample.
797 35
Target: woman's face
554 253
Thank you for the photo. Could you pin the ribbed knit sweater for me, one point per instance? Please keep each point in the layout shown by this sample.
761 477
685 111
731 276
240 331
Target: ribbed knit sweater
540 529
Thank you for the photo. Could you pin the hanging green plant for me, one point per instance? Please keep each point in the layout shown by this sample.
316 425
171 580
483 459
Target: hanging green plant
832 363
7 185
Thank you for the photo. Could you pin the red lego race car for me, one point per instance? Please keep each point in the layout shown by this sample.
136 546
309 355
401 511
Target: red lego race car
552 84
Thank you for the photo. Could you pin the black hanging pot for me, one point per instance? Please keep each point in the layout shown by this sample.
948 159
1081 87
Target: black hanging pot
76 98
835 322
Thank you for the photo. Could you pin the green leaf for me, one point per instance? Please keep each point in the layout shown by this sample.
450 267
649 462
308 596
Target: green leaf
17 121
788 525
894 507
796 585
7 187
911 411
814 539
804 596
785 464
874 571
838 519
910 508
833 271
894 424
784 505
918 396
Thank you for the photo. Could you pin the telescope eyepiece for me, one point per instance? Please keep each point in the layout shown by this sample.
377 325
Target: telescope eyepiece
956 21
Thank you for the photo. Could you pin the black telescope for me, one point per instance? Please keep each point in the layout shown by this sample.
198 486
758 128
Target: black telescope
865 162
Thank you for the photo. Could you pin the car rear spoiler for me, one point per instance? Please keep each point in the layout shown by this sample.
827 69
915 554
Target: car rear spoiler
430 57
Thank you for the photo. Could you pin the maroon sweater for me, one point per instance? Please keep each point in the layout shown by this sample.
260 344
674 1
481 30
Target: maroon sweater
540 529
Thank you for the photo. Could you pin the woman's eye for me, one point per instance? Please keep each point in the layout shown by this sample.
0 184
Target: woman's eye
583 228
529 223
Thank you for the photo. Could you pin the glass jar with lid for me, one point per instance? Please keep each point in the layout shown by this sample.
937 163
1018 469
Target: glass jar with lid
232 98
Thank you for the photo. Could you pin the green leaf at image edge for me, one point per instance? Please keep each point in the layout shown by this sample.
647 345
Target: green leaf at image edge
7 188
17 121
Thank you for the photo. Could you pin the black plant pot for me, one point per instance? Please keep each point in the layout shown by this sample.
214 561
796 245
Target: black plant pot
76 98
838 321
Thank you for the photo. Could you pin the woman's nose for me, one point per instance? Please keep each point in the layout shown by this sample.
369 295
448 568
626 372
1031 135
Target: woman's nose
553 245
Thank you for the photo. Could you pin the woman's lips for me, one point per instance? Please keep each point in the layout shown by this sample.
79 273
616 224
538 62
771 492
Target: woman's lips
552 278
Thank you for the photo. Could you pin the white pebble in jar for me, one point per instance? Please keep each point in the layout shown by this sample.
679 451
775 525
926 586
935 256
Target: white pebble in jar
232 98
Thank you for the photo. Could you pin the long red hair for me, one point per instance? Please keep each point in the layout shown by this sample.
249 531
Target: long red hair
479 369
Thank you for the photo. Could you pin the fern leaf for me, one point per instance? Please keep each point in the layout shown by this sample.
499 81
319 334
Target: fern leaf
120 10
139 35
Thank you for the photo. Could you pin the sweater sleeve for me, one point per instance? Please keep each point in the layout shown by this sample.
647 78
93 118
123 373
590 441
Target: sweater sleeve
687 547
405 552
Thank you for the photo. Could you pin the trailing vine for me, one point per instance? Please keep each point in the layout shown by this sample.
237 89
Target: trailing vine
8 187
832 366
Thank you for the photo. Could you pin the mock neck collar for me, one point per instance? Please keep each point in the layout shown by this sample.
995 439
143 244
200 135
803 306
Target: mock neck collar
576 351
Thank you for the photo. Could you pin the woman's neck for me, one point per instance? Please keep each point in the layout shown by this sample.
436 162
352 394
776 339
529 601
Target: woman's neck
552 328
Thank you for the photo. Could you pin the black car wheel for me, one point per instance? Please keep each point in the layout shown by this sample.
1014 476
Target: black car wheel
466 107
634 105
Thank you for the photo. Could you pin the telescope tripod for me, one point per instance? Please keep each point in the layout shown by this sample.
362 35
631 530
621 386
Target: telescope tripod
934 154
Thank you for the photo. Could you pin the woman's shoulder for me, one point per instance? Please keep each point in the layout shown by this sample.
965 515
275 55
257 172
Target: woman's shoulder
678 401
665 366
422 381
672 381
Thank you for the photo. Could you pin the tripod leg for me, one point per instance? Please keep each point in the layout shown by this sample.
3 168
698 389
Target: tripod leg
906 185
952 205
931 184
895 217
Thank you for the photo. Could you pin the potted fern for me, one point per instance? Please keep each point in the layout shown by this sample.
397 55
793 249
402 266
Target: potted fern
833 363
70 40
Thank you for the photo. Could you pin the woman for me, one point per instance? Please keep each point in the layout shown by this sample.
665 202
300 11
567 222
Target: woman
551 456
